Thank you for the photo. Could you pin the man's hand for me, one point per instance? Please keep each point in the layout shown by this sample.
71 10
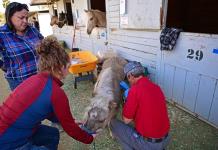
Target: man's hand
126 120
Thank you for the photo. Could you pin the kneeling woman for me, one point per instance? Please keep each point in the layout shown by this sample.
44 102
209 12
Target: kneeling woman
37 98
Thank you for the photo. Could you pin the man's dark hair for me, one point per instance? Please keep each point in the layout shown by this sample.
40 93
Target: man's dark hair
11 9
136 74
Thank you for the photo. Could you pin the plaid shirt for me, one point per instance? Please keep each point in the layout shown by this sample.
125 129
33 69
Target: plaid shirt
18 52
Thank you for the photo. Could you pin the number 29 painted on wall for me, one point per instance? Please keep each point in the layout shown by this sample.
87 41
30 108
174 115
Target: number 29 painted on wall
192 54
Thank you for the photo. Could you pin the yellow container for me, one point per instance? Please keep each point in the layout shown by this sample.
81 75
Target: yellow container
82 61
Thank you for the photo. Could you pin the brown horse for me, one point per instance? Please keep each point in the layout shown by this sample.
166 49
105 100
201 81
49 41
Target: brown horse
59 21
96 18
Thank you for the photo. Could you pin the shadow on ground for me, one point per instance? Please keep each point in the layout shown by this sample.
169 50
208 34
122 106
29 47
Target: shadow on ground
4 88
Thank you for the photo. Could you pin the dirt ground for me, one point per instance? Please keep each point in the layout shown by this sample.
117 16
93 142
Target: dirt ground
187 132
4 89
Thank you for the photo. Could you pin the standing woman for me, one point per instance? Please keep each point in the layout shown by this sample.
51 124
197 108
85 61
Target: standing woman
18 43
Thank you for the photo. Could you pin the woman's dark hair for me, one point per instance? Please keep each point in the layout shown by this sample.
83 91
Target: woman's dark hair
11 9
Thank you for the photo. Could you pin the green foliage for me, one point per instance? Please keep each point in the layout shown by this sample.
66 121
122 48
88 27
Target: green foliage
5 3
2 18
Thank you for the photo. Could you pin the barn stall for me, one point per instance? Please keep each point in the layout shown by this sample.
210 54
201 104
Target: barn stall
187 74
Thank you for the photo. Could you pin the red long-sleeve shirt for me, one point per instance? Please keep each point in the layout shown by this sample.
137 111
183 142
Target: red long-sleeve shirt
146 105
36 99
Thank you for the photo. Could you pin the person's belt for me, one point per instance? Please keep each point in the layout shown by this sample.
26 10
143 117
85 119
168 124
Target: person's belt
153 140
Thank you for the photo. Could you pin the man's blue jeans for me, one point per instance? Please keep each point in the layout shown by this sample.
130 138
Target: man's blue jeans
45 138
129 139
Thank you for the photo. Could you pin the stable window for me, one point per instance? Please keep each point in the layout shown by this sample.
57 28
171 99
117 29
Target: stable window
140 14
199 16
97 4
69 14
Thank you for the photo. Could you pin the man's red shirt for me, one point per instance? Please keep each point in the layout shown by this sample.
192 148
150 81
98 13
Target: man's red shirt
146 105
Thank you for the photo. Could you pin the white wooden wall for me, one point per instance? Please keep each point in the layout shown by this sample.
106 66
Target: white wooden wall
64 34
139 45
60 6
190 82
78 7
140 14
95 42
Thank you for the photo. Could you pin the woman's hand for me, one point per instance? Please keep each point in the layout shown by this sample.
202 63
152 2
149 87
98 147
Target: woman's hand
94 135
79 122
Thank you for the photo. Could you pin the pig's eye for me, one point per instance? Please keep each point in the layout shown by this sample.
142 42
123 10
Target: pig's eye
93 115
101 121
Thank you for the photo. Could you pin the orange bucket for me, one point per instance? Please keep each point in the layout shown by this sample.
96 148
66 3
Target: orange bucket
82 61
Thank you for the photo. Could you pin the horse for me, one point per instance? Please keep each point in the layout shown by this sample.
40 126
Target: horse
59 21
107 95
96 18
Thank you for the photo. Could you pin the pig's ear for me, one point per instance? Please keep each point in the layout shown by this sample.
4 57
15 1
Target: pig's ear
112 105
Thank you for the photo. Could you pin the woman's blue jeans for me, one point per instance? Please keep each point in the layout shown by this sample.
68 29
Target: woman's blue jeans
45 138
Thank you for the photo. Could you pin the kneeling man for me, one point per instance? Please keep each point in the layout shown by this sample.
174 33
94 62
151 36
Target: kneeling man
146 107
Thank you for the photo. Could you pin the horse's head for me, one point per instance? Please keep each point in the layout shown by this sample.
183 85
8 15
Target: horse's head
54 20
96 18
62 19
92 21
59 21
